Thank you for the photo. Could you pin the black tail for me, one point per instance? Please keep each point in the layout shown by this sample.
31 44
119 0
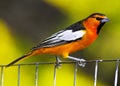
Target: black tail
20 58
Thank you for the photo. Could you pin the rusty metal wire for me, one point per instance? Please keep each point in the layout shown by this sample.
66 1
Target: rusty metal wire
56 68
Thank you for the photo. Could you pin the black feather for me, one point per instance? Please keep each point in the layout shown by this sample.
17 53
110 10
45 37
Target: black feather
50 43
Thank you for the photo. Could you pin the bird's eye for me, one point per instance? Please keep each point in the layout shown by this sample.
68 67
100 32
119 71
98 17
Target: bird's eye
98 18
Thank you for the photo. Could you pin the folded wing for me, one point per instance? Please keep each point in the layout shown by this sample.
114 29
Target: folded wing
60 38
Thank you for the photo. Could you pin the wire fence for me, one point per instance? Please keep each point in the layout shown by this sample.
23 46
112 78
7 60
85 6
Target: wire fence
56 68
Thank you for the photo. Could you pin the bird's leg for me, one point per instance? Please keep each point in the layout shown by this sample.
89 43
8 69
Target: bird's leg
58 62
81 62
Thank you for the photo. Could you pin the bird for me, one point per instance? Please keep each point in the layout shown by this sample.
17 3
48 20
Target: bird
69 40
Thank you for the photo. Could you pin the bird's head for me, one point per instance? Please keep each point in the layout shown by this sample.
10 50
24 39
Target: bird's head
95 21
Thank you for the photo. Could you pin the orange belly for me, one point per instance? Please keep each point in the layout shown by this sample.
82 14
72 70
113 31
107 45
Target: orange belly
65 49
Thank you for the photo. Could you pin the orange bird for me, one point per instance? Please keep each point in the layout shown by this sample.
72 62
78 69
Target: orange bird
75 37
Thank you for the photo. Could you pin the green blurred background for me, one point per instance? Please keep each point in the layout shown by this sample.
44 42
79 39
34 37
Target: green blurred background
24 23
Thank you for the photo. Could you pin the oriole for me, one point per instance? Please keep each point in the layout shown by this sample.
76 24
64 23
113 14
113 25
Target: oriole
75 37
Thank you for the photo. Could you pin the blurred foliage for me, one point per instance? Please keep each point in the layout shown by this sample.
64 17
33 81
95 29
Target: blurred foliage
22 23
7 43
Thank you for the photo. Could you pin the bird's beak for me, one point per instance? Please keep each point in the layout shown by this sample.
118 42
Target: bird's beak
105 20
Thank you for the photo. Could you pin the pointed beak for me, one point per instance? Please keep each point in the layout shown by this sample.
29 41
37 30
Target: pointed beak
105 20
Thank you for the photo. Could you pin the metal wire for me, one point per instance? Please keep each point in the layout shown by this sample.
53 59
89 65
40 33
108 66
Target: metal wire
65 62
36 75
18 75
55 69
56 65
75 73
2 76
116 73
96 73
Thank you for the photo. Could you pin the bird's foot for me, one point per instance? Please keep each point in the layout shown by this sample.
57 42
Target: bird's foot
81 62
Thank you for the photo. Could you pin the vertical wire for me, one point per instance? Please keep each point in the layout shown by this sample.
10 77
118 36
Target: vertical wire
18 75
55 69
56 65
96 73
116 73
2 76
36 75
75 73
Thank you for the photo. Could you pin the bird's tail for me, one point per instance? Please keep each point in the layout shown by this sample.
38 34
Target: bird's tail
20 58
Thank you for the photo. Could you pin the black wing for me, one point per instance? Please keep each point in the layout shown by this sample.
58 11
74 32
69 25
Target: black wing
70 34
